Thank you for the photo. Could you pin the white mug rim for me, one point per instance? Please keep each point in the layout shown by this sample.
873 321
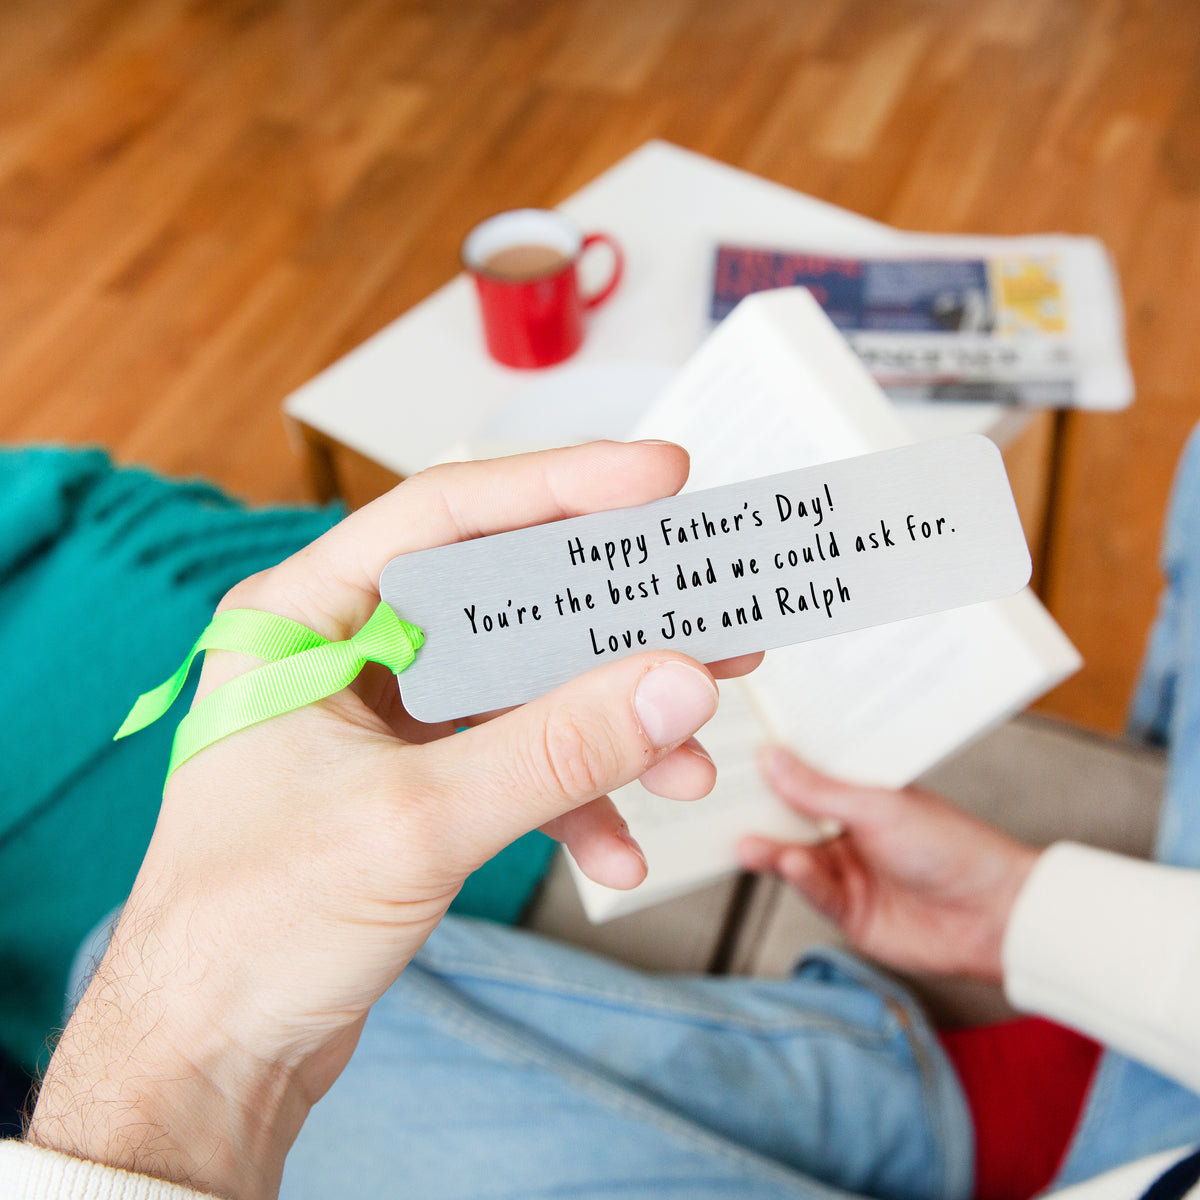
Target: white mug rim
570 241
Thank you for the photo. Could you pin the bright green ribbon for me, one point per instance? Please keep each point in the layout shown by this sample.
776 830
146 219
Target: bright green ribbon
301 667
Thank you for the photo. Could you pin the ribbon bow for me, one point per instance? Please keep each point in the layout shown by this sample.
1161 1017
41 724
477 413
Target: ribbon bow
301 668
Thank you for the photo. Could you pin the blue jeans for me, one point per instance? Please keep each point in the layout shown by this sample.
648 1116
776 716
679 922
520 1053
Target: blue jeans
505 1065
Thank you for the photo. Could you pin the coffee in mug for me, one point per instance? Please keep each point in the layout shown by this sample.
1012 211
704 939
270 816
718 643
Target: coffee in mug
525 262
525 267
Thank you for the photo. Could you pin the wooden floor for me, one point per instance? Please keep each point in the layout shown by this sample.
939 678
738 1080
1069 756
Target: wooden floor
203 203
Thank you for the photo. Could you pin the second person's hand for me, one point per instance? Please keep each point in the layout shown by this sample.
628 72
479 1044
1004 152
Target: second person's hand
911 880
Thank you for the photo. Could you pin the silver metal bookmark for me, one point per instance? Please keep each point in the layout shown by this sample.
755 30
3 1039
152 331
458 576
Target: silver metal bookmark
717 573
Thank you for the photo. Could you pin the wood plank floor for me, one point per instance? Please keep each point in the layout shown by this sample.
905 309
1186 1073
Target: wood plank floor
202 203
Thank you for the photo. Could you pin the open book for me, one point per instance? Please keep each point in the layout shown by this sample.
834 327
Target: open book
775 388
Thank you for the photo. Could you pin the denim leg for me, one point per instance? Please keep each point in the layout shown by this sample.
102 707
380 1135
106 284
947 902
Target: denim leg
1131 1110
1166 707
505 1065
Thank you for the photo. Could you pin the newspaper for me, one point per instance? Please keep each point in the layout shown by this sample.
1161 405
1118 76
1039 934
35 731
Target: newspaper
1035 321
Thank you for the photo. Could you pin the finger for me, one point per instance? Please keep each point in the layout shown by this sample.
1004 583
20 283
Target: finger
333 584
581 741
685 774
811 870
819 796
760 853
599 841
731 668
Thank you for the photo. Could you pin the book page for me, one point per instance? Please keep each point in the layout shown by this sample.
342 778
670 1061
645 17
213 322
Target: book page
882 706
757 398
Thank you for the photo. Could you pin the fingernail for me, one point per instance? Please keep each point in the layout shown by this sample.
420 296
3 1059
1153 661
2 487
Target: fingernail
654 442
629 840
672 702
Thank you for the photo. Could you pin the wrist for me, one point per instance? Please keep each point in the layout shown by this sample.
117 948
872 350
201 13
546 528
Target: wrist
138 1083
1019 866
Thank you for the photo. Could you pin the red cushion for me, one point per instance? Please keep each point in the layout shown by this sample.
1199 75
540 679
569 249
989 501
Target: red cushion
1025 1082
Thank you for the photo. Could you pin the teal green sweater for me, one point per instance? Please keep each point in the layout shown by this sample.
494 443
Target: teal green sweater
106 578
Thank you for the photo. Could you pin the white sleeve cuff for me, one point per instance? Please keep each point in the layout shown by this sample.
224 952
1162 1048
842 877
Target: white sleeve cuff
1111 946
31 1173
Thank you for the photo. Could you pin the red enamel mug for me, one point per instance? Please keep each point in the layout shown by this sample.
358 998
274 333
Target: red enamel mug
525 264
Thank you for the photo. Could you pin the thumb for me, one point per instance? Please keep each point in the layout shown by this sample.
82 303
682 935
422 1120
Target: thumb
550 756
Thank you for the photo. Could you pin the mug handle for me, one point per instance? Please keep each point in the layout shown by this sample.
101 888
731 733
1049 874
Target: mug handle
598 239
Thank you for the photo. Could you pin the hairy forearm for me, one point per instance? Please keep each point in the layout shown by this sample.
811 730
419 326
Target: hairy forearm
144 1081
